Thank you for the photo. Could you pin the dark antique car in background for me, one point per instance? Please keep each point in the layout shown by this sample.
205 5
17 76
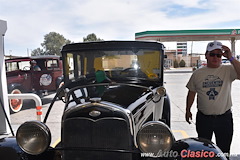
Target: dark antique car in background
23 77
116 108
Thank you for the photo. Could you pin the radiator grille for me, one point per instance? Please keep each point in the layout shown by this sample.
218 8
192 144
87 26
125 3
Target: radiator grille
88 139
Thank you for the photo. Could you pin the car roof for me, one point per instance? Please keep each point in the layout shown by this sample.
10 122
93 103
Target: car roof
32 57
109 45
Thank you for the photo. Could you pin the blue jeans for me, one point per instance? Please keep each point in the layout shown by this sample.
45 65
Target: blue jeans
220 125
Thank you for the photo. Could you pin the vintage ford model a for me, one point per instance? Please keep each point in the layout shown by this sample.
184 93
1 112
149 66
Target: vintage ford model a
35 74
116 107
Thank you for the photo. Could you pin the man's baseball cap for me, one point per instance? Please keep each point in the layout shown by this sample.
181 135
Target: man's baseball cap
214 45
33 61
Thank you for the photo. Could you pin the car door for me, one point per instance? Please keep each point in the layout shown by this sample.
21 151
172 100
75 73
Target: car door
46 79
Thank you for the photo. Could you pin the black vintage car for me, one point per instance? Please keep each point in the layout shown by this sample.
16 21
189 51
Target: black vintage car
116 107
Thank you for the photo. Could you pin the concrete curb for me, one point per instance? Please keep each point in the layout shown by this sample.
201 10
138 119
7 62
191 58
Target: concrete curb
179 70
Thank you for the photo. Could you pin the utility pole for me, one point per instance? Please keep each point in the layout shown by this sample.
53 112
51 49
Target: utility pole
191 55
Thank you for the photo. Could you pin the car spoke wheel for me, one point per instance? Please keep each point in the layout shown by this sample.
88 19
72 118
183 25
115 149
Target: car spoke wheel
15 104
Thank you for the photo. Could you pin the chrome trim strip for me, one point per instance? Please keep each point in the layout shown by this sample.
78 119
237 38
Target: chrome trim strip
97 119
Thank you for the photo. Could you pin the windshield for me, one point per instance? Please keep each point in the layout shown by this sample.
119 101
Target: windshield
115 64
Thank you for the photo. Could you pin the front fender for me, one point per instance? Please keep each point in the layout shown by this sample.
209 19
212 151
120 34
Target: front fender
13 86
9 150
197 148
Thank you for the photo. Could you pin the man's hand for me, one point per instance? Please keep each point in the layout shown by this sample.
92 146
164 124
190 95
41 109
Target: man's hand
190 100
188 116
226 52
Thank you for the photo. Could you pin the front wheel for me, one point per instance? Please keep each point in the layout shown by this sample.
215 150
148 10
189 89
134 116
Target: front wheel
15 104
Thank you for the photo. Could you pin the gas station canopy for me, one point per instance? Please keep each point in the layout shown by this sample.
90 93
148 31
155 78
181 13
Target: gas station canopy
189 35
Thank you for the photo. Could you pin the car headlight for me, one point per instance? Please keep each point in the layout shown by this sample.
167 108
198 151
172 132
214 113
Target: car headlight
161 91
33 137
155 137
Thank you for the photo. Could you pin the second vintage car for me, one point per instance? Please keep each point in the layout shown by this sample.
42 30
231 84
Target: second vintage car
36 74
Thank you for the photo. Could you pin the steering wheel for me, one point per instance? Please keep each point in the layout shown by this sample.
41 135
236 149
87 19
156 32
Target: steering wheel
26 68
129 72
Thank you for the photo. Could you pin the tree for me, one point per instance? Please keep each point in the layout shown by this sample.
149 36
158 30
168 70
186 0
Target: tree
52 44
37 52
91 38
182 63
175 64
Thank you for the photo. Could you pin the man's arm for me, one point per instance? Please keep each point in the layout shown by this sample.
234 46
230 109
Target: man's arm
236 65
190 100
228 54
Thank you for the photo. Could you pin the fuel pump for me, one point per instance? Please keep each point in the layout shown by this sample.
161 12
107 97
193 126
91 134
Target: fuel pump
4 128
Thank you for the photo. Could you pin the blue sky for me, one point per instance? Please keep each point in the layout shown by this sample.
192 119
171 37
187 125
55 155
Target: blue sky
29 20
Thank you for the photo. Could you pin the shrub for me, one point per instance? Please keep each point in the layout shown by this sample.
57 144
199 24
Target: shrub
175 64
182 63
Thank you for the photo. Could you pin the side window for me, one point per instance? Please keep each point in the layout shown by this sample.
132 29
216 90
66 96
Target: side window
52 64
11 66
69 68
24 65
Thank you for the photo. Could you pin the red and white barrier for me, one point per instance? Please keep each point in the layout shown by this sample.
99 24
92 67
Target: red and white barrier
36 98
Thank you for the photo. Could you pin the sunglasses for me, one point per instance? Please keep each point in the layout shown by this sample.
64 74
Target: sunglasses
215 54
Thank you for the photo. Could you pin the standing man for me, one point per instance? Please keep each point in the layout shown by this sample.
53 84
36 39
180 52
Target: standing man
212 84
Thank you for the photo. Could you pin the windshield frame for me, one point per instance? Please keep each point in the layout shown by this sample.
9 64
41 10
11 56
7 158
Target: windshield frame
107 46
